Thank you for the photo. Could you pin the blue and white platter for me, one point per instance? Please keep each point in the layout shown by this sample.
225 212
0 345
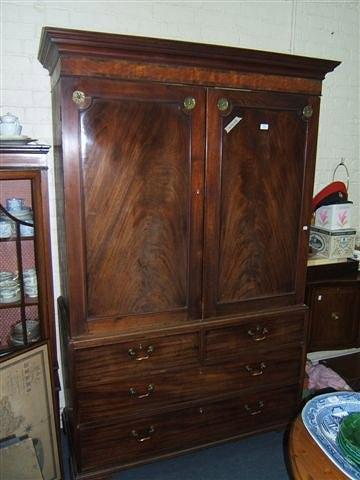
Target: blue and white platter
322 416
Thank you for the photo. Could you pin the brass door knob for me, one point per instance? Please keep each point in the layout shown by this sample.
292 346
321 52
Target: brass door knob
189 103
223 104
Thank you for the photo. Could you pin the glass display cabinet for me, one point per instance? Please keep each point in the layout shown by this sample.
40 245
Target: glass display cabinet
26 289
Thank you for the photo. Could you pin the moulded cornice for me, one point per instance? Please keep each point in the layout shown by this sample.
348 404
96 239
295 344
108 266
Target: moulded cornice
56 43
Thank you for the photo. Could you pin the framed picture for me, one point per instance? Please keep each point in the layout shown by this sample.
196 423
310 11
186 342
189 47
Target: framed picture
27 412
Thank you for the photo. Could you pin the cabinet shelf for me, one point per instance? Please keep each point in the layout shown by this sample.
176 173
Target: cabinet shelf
28 303
12 348
13 239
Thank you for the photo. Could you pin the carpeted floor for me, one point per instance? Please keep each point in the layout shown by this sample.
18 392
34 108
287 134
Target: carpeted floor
255 458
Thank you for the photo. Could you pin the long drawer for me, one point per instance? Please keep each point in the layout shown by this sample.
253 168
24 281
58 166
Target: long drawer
152 436
105 363
131 396
263 331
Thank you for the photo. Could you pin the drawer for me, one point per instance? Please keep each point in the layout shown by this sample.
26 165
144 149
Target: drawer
105 364
131 397
265 331
153 436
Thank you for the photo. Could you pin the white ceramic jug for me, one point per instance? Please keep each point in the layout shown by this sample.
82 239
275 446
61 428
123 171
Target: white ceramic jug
10 125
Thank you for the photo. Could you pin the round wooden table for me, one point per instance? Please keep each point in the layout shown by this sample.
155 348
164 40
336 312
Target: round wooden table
307 460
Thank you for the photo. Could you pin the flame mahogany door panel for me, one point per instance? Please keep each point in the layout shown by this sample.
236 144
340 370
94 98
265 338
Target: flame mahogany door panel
255 245
139 166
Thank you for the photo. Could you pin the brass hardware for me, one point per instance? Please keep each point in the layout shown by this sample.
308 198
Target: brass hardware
150 390
223 104
78 97
335 316
259 334
189 103
136 354
201 410
254 412
255 372
147 434
307 111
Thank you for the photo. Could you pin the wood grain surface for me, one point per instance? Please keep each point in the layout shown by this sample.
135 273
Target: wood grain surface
140 172
252 222
182 429
307 460
136 203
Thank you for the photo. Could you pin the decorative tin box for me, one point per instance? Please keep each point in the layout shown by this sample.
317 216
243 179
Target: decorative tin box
334 217
332 243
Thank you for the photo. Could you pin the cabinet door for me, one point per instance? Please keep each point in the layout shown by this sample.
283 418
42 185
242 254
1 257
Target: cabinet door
334 318
259 178
133 175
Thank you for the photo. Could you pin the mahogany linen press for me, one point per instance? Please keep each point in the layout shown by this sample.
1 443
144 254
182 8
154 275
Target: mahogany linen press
184 176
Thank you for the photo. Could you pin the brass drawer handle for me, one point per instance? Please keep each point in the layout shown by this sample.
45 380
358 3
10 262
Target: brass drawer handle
259 334
150 389
335 316
254 412
255 372
137 354
147 435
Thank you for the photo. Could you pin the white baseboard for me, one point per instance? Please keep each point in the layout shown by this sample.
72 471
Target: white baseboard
315 357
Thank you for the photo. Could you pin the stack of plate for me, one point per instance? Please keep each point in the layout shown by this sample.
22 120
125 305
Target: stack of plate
25 214
348 438
32 332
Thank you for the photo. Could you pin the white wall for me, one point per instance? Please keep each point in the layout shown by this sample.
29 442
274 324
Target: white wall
312 28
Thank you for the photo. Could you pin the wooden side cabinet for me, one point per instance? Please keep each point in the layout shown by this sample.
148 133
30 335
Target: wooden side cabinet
334 301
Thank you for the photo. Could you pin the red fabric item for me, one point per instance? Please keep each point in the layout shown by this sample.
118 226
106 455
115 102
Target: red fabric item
332 188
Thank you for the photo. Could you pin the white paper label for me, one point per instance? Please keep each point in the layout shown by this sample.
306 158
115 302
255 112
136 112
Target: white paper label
264 126
232 124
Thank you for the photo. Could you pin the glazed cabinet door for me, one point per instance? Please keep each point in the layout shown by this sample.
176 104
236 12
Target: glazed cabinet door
133 161
260 148
26 309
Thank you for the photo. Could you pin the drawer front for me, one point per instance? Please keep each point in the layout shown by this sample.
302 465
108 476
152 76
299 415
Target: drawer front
133 396
264 331
126 443
105 364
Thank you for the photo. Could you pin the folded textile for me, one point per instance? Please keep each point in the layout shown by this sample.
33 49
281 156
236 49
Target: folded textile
320 377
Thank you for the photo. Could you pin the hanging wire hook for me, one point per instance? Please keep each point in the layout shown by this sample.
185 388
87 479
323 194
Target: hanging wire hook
342 164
